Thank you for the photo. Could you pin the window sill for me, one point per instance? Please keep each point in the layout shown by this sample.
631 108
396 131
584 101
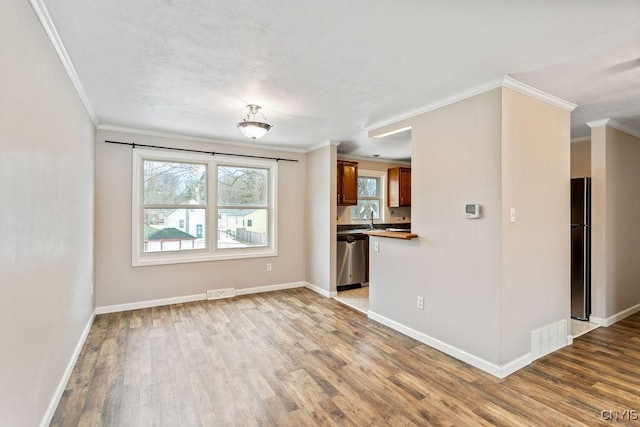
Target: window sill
173 258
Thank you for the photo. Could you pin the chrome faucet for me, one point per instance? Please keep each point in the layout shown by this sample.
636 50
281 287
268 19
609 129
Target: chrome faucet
371 214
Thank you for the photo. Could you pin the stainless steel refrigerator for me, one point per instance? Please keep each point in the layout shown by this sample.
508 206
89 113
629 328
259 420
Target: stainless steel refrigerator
581 248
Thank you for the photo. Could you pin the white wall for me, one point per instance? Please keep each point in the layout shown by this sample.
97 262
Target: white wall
580 159
487 283
46 218
615 157
623 180
117 282
321 190
536 249
455 264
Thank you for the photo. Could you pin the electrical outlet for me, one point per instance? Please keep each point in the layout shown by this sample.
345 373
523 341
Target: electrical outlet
268 266
421 303
376 246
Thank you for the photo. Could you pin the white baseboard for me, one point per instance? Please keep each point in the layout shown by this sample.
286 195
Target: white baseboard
488 367
200 297
616 317
320 291
270 288
515 365
53 404
459 354
151 303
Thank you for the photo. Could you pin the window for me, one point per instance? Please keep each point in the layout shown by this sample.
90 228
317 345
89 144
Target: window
242 196
369 196
175 220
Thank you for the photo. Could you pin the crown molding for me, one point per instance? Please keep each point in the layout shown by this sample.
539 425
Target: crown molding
144 132
614 124
329 143
461 96
45 20
525 89
598 123
504 81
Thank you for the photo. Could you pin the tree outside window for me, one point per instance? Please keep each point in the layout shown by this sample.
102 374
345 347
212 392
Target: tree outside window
368 199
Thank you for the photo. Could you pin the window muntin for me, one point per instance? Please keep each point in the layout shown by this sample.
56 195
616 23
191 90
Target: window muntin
171 195
369 191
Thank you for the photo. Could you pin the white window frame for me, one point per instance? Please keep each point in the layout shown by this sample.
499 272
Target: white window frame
382 175
211 253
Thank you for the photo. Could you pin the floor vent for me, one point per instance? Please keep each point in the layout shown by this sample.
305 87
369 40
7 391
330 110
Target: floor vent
548 339
221 293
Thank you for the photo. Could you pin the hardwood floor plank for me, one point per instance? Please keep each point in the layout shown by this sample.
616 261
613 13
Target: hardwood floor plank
294 358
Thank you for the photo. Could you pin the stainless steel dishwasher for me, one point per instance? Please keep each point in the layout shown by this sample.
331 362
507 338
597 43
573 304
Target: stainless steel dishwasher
353 251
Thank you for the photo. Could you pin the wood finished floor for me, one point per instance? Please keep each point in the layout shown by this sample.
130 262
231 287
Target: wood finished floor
295 358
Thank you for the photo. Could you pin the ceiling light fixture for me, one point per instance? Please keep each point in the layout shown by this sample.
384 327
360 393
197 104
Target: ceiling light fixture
392 132
250 127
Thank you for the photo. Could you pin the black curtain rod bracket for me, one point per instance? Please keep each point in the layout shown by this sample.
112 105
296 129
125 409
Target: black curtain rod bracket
213 153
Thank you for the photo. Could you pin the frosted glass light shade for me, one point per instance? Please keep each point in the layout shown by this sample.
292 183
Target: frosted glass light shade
254 130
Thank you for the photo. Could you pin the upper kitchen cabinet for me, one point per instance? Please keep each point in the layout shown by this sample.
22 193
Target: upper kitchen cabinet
347 183
399 187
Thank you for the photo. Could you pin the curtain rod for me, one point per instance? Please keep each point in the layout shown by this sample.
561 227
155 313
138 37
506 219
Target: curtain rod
213 153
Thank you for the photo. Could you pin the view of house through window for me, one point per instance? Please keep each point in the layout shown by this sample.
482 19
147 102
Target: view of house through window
175 205
189 207
368 198
242 207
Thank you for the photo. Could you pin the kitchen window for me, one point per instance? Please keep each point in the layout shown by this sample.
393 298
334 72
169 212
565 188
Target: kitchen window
370 196
190 208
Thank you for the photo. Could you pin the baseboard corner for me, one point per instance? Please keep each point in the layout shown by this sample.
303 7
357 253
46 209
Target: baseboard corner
319 290
616 317
55 399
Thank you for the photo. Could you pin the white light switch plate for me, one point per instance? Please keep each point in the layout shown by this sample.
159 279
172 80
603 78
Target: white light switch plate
512 214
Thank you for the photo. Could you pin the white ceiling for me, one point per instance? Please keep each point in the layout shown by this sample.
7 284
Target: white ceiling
329 70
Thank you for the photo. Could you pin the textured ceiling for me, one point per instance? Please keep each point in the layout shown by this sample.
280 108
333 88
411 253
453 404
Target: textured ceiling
328 70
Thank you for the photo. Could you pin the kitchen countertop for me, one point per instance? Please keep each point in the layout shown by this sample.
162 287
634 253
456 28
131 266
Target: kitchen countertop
405 235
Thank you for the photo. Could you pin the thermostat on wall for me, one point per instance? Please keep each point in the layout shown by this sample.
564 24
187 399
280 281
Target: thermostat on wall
472 211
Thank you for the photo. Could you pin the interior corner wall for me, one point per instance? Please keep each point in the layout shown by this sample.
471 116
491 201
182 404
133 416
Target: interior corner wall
536 273
321 211
46 219
615 231
117 282
580 159
455 262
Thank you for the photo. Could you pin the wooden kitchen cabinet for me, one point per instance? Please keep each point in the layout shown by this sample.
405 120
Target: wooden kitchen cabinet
399 187
347 183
